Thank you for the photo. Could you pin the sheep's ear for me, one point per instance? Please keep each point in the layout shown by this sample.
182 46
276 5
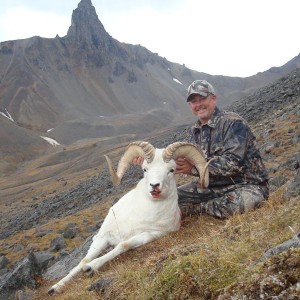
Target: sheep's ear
114 177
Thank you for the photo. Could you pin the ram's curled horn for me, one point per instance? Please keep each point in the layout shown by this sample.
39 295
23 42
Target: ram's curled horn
193 154
135 149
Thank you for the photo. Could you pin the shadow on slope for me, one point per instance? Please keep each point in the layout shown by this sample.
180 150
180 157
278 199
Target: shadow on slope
110 126
18 145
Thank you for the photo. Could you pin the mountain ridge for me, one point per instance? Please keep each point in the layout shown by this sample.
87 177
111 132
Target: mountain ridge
88 85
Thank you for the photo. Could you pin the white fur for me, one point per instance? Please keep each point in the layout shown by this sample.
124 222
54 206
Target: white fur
136 219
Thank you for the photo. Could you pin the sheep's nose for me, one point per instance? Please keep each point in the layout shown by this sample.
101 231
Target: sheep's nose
155 185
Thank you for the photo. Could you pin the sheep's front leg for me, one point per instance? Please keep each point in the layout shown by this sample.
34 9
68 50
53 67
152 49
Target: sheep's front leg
133 242
97 246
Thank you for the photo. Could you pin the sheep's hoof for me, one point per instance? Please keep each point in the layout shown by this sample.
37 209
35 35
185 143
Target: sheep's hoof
88 270
51 291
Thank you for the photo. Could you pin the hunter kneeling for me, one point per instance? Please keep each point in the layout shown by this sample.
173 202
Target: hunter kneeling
238 178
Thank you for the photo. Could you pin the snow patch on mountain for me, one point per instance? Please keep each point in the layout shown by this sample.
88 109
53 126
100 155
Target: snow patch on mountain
50 141
7 115
176 80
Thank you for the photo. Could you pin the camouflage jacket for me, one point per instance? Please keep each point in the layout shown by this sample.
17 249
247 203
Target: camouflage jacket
228 138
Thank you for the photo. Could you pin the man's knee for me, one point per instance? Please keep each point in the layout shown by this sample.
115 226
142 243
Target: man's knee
237 201
220 205
252 197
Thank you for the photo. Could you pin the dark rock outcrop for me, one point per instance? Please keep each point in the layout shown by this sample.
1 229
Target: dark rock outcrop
62 267
274 97
24 275
291 243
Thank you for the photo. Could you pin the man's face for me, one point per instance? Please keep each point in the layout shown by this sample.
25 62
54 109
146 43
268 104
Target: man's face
203 107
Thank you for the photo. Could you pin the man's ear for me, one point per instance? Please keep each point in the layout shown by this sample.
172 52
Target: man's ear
214 97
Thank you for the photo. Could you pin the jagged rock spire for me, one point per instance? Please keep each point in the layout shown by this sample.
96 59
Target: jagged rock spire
86 26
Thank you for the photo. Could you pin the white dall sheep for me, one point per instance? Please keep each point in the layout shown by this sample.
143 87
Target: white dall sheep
147 212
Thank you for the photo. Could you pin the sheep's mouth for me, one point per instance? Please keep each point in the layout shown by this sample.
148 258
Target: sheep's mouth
155 193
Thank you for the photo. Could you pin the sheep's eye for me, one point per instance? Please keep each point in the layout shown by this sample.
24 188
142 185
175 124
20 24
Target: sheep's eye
172 170
145 170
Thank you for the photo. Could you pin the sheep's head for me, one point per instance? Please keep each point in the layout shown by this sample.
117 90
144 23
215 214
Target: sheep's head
159 165
159 176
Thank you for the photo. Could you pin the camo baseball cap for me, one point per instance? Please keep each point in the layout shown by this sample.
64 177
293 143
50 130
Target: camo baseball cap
200 87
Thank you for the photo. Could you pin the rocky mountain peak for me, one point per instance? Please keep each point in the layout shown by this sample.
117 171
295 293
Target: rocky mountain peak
86 27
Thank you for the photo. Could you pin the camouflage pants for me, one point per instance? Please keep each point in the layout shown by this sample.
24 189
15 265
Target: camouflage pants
220 202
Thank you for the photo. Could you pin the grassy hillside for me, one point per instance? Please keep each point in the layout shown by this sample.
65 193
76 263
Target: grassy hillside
204 257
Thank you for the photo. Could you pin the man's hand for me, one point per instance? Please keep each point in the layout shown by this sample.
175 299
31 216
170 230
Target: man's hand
138 160
183 166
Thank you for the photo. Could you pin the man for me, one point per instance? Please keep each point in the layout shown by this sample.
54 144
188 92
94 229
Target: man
238 179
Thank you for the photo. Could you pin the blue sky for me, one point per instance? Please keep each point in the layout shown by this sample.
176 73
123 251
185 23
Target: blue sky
232 37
